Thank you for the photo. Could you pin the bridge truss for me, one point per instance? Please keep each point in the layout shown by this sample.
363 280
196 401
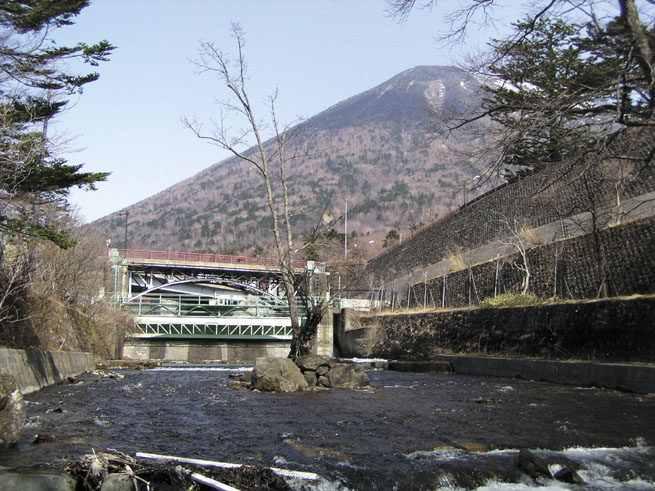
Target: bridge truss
174 296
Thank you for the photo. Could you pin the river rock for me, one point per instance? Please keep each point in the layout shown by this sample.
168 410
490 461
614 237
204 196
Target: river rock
347 375
533 465
51 481
241 380
313 362
310 377
277 375
242 376
566 474
43 438
323 381
12 411
117 482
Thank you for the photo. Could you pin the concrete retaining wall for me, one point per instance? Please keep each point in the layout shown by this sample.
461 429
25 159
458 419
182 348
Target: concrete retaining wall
634 378
612 342
34 369
611 331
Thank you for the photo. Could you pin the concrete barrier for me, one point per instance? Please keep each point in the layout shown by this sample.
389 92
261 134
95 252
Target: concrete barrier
631 377
420 366
35 369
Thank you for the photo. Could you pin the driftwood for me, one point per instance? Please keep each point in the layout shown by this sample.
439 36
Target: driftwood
93 470
305 476
212 483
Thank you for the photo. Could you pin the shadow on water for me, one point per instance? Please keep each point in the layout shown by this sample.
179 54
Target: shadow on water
407 431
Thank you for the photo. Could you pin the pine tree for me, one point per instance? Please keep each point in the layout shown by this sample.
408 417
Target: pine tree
562 86
33 89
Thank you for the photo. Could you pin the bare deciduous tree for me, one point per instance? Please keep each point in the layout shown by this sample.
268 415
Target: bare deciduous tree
270 159
519 240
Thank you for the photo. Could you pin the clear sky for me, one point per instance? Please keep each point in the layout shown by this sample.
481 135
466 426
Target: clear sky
316 52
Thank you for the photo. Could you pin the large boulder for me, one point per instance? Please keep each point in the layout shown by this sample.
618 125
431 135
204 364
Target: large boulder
12 411
314 362
347 375
277 375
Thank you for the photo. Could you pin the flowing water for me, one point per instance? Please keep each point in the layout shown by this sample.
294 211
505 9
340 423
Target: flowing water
406 431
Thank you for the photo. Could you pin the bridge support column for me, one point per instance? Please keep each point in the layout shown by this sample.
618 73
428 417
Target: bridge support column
324 343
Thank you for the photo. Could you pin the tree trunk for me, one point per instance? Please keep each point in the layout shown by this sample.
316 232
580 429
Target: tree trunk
303 339
645 54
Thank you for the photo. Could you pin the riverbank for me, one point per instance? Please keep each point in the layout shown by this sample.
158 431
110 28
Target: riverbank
606 343
36 369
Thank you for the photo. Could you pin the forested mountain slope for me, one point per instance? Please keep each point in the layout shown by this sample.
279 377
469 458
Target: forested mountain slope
376 150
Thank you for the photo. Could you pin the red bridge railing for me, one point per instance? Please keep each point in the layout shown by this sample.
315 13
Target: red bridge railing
203 257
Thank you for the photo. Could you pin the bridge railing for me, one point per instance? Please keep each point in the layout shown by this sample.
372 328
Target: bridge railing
203 257
184 305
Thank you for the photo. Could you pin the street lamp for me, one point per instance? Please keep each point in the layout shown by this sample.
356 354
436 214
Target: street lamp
345 232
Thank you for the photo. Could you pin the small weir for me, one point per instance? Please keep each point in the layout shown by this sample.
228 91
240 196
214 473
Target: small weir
406 431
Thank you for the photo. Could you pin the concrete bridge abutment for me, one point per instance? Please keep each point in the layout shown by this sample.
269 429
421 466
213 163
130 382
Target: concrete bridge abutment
202 350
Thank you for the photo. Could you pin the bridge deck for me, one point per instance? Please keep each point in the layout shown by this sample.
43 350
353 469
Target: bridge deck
204 260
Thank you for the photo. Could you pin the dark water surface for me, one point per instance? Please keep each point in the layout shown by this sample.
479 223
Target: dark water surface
407 431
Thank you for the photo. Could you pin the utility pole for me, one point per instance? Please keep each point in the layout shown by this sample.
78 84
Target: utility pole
345 232
126 214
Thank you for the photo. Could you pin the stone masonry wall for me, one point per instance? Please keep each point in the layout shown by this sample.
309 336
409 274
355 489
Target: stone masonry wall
568 269
541 198
603 330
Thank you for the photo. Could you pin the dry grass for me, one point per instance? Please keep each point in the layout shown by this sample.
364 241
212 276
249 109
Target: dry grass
456 261
509 300
530 235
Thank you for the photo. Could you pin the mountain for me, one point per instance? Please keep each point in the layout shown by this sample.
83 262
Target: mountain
376 150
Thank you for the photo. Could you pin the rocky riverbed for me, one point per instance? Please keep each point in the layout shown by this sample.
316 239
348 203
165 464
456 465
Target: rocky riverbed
404 431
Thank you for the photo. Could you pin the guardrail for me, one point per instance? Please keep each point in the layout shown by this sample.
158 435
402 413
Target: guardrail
205 258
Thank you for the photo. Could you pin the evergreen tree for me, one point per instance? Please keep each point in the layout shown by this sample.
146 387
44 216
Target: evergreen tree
563 85
33 89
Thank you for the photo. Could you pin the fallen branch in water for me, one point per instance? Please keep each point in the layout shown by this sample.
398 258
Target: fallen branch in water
212 483
92 471
305 476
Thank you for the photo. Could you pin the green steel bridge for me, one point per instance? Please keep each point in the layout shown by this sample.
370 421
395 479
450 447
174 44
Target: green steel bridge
203 296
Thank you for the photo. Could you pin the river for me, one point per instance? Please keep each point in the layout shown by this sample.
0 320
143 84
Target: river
406 431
